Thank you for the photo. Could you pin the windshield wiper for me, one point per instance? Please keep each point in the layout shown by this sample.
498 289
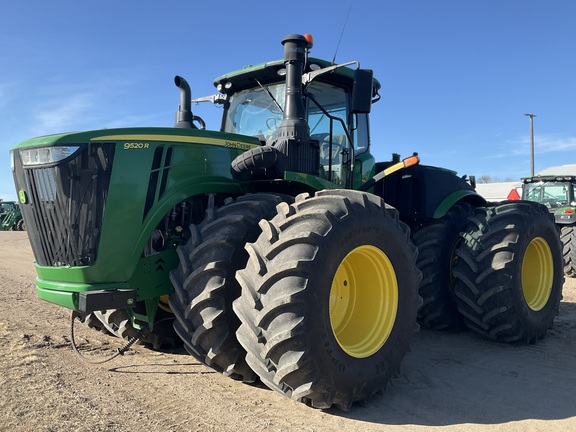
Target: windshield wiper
270 94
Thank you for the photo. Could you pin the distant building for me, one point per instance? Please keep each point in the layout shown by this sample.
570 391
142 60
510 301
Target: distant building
513 190
499 191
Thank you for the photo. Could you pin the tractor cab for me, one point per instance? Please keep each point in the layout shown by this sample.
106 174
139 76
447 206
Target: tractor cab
10 217
552 191
258 112
6 206
322 107
558 194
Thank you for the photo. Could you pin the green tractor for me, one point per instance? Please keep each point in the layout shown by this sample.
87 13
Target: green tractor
278 248
11 217
555 187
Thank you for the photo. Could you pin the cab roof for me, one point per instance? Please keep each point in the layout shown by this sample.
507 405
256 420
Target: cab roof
268 73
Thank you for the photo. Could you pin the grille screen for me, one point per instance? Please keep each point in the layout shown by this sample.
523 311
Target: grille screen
66 204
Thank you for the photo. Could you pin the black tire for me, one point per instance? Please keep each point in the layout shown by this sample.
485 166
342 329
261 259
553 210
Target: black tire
20 225
568 237
264 162
205 286
118 323
436 243
90 320
302 332
510 272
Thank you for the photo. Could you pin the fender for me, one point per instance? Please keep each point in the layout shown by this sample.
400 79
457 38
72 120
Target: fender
425 192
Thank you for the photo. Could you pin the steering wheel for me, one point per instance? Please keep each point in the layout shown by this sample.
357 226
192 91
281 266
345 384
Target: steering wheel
336 155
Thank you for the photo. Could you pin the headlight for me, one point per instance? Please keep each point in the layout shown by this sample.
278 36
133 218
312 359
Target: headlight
46 155
12 160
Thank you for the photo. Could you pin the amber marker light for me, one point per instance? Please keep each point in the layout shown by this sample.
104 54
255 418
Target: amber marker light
310 40
405 163
411 161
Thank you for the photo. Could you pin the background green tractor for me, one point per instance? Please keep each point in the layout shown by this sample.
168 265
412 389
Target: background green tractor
286 252
555 188
11 217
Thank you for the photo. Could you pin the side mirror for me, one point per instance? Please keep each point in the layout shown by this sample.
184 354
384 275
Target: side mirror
362 91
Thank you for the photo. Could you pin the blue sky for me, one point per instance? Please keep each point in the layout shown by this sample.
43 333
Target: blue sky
457 75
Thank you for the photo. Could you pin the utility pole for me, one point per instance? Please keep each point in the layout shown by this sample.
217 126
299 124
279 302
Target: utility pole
531 142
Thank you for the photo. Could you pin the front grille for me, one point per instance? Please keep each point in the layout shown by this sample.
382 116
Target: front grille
66 204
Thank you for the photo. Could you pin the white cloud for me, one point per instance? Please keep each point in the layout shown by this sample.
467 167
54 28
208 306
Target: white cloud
61 106
542 144
552 144
59 115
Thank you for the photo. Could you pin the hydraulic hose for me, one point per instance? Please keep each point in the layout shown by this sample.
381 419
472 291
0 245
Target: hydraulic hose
119 351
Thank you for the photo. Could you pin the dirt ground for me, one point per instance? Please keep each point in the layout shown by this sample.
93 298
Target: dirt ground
449 382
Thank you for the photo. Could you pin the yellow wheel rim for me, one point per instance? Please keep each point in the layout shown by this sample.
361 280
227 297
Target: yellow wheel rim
537 274
163 303
363 301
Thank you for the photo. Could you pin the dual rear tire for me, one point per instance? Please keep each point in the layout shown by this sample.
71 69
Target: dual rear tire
437 242
509 273
496 270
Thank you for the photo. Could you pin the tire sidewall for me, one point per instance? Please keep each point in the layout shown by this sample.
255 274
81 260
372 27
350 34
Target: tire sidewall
386 236
544 317
568 236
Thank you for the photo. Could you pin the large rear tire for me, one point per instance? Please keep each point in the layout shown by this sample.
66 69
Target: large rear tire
437 243
568 237
329 298
510 272
204 283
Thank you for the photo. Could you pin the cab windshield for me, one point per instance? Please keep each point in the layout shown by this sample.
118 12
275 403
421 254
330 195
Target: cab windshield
552 194
5 207
258 112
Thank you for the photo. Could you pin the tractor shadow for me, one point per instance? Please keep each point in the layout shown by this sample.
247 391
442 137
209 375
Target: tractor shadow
460 378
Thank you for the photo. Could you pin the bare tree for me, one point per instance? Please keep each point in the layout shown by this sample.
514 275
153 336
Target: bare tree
488 179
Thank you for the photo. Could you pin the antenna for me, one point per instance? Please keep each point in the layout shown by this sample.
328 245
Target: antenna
341 34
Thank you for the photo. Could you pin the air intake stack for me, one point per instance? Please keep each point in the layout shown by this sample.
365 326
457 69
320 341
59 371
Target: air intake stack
294 132
292 150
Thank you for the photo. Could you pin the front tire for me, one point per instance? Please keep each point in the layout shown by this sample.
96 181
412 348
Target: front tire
204 283
510 272
329 298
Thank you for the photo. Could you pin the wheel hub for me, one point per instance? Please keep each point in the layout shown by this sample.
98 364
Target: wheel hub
537 274
363 301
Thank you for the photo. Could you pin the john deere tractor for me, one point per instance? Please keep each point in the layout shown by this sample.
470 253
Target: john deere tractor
277 245
11 217
555 187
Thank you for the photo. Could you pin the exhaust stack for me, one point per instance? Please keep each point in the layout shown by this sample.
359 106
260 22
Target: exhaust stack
184 115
